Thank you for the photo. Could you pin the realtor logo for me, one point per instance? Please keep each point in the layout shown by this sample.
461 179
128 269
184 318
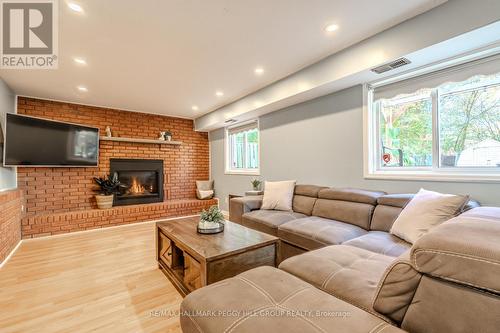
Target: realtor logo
29 34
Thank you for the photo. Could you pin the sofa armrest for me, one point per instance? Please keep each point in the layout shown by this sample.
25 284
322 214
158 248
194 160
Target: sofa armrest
242 205
397 288
474 260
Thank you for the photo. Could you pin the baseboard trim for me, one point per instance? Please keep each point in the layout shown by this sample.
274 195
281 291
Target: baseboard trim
107 228
11 253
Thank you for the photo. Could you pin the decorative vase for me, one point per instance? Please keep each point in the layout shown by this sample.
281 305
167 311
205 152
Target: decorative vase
104 201
209 227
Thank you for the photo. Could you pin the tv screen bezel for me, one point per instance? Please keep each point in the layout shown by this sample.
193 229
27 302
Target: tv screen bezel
48 166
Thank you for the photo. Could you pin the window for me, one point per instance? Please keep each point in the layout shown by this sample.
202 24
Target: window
406 131
242 148
444 124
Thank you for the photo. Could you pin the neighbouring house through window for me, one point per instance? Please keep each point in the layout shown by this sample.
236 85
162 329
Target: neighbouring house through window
441 124
242 148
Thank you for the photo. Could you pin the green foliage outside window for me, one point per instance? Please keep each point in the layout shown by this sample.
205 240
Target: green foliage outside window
469 125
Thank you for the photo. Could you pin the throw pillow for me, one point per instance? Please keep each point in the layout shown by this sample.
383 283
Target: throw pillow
278 195
426 210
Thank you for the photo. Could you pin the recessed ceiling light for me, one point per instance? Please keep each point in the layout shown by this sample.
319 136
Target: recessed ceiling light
331 28
80 61
219 93
194 108
75 7
82 88
259 71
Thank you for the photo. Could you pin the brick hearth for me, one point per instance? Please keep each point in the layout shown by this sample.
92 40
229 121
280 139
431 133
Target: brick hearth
60 193
60 223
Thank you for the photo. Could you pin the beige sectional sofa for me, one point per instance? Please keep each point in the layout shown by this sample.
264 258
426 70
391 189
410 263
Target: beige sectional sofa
324 216
353 275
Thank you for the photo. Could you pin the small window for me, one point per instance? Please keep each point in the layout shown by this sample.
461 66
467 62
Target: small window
242 148
443 124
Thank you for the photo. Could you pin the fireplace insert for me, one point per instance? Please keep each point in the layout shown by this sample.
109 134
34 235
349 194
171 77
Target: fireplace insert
142 181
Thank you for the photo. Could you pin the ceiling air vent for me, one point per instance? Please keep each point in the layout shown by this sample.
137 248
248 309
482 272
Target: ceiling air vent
392 65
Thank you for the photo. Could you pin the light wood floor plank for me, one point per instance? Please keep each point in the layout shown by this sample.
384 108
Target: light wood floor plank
105 280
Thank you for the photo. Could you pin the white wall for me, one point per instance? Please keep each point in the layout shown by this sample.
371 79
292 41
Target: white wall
7 105
321 142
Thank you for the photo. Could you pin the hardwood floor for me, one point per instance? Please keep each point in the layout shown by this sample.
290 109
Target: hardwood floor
101 281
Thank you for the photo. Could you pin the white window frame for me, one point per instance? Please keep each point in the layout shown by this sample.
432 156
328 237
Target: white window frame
372 163
228 170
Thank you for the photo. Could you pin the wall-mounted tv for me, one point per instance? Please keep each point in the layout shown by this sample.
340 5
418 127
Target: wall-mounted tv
31 141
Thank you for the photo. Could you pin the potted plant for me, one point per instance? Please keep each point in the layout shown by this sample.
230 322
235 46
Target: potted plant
108 186
211 221
256 184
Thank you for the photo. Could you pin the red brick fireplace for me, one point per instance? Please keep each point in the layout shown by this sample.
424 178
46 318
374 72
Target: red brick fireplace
60 200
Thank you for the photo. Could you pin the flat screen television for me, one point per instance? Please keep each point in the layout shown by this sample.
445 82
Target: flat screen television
31 141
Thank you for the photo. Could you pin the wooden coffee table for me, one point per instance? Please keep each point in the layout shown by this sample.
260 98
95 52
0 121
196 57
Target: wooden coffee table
191 260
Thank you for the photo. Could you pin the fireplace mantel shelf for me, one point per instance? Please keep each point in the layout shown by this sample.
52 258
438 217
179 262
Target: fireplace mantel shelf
138 140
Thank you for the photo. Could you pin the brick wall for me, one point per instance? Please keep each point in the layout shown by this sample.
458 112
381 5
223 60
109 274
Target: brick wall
65 189
60 190
10 221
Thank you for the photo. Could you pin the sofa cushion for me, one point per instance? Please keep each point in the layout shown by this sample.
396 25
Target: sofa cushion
383 217
303 204
346 211
314 232
304 198
351 194
380 242
425 211
268 220
390 206
267 300
387 211
278 195
400 200
308 190
347 272
465 249
395 200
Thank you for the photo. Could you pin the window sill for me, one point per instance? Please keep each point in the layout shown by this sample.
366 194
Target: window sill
242 172
434 176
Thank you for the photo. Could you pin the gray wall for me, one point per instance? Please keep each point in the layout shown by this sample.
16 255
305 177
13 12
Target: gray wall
7 104
321 142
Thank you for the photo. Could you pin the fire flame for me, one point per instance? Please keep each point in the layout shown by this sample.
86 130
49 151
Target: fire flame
136 187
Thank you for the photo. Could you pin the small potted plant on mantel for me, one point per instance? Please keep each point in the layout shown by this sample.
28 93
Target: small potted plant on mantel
107 188
211 221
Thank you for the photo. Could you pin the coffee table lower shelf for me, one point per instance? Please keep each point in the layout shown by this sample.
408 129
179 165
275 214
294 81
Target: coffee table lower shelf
174 278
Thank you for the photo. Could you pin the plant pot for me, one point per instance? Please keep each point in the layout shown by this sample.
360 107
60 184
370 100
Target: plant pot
205 227
104 201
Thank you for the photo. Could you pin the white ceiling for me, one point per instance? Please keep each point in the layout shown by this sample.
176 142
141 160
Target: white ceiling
166 56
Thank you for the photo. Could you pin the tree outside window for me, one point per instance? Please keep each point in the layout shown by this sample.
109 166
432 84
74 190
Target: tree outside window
467 123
